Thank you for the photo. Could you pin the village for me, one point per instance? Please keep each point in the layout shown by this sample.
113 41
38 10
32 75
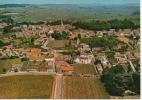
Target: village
51 58
63 50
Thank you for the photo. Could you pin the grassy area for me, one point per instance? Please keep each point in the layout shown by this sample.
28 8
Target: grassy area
57 43
8 63
17 42
27 86
83 88
84 69
123 39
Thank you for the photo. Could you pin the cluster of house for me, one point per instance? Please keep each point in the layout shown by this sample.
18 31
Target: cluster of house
30 30
56 62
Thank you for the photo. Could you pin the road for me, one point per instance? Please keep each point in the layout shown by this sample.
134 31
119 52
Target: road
26 73
132 66
58 88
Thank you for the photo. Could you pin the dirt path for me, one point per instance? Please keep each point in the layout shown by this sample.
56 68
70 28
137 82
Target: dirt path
58 88
26 73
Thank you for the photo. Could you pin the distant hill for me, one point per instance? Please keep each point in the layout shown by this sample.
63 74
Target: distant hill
29 12
12 5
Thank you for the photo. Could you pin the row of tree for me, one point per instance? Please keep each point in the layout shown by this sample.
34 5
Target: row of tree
106 25
106 42
59 36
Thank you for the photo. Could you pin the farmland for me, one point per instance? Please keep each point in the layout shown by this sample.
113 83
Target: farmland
27 86
84 69
83 88
57 43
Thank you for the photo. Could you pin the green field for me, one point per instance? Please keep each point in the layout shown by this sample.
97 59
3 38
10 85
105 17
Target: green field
83 88
84 69
27 86
58 43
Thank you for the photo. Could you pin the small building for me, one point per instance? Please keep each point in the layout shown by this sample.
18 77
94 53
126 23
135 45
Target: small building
85 59
15 68
121 58
35 54
99 68
84 47
104 61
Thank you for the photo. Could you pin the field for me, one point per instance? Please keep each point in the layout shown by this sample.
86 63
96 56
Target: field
26 86
83 88
57 43
123 39
84 69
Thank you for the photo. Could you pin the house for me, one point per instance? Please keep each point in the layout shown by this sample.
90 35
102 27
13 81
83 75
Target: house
15 68
61 63
95 49
66 69
104 61
121 58
35 54
99 68
99 34
61 57
85 59
84 47
40 41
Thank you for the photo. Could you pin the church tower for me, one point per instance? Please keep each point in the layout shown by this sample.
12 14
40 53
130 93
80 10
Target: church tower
62 24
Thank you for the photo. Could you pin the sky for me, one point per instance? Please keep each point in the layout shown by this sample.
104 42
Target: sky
68 1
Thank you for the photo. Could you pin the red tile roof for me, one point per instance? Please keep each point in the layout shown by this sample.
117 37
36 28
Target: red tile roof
66 68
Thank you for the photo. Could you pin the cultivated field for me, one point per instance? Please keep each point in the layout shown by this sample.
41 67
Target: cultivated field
58 43
84 69
27 86
83 88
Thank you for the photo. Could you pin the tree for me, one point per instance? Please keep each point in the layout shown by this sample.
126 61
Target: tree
79 36
106 25
97 62
7 19
106 42
56 36
8 29
112 78
1 43
136 78
4 70
24 59
32 39
65 35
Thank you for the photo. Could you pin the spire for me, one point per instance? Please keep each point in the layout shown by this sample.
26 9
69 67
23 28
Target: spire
62 24
78 41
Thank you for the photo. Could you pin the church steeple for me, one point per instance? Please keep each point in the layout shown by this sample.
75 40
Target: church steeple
62 24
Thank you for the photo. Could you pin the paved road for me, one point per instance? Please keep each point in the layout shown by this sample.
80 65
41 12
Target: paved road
58 88
132 66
